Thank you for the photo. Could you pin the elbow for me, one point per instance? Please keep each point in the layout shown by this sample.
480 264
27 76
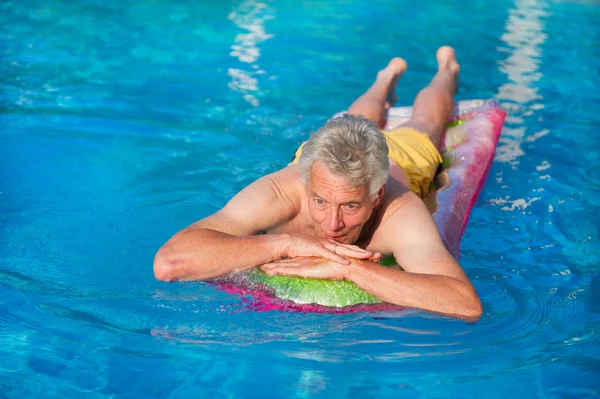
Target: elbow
473 310
470 304
165 267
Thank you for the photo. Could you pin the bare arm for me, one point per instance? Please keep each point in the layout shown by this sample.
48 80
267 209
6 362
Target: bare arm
230 240
432 292
226 241
432 279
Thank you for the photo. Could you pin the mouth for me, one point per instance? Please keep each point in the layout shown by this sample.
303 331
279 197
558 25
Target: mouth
335 238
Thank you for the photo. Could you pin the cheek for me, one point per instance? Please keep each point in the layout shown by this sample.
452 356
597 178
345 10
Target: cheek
356 219
316 214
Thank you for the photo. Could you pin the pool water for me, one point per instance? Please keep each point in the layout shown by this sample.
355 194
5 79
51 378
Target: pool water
123 122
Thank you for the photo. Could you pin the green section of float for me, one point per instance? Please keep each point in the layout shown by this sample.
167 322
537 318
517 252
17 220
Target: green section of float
316 291
455 123
310 290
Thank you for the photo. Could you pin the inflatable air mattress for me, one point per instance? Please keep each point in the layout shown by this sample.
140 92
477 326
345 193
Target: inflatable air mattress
468 150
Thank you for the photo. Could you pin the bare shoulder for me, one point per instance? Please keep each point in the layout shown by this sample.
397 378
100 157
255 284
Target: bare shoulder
405 221
269 201
408 231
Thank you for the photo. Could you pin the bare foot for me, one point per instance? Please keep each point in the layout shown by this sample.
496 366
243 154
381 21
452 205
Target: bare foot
394 70
446 59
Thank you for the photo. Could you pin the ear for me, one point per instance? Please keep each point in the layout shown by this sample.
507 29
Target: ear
380 194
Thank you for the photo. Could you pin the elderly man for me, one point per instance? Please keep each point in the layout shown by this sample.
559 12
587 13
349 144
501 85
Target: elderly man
352 193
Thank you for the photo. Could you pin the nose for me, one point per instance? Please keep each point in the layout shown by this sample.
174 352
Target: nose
335 220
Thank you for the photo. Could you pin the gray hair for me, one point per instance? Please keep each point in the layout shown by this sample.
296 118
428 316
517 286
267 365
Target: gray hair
351 146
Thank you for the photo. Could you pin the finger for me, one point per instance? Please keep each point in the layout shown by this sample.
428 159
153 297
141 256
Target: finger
345 250
372 254
297 261
285 271
287 262
349 246
356 247
329 254
376 256
270 271
354 251
350 252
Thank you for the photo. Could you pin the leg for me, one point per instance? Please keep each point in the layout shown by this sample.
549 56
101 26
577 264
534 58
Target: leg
434 104
381 95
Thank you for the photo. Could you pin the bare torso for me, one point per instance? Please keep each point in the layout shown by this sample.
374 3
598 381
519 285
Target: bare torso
287 183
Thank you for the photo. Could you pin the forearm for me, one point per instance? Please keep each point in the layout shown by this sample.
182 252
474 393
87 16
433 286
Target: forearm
435 293
202 254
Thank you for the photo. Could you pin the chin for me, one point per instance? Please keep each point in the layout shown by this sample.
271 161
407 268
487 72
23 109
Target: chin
345 239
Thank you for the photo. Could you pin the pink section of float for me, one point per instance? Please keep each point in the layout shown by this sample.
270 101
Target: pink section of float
467 175
472 145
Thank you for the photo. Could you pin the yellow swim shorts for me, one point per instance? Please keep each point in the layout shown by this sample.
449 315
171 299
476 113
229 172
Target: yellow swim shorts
414 152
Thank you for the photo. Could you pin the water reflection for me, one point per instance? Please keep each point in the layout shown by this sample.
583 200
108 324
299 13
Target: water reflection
250 16
524 36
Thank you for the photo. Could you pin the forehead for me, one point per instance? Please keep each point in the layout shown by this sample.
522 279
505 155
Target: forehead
327 184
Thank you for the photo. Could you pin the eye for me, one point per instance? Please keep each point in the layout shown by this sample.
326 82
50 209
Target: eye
352 207
319 201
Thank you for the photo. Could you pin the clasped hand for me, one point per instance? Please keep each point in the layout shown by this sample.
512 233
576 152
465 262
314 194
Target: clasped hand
317 258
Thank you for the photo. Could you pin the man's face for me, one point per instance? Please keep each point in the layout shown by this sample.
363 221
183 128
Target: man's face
339 210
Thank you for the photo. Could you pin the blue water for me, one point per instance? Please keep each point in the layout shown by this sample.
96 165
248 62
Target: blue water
122 122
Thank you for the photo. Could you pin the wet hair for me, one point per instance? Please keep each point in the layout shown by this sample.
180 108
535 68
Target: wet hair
351 146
